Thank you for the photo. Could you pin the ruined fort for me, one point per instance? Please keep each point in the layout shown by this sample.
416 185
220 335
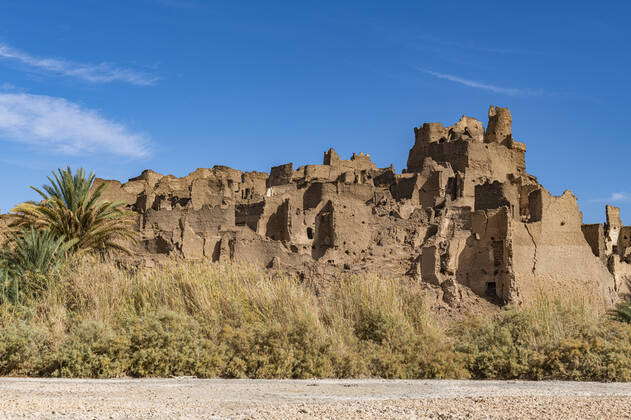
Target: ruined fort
463 216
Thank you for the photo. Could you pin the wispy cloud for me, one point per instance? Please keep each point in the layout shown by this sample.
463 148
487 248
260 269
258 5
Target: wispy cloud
95 73
65 127
8 86
619 196
469 46
616 197
485 86
180 4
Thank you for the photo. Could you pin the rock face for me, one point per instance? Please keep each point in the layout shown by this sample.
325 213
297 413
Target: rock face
463 216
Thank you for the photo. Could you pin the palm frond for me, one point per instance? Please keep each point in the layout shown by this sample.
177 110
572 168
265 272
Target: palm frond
35 251
72 208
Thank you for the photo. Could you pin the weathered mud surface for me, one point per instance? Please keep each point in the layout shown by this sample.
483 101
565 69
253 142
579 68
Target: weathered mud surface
193 398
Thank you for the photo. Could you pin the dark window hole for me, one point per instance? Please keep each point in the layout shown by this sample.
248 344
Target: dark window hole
491 289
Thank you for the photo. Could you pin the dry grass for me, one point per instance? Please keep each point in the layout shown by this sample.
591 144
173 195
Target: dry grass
196 318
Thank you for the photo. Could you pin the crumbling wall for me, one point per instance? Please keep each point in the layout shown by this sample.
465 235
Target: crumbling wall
499 129
492 195
595 237
479 159
486 266
281 175
611 243
552 255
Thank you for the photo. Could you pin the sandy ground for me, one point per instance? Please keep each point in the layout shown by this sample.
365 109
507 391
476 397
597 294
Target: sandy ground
196 398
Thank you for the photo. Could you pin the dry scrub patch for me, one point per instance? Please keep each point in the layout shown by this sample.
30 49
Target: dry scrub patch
226 320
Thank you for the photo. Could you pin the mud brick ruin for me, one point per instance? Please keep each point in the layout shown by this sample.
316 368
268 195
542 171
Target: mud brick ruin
464 215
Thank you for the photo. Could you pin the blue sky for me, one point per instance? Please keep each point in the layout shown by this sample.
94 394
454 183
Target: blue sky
122 85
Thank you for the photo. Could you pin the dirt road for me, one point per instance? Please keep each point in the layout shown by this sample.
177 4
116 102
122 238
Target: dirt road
195 398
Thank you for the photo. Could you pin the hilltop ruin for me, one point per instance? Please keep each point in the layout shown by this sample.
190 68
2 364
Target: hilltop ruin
464 215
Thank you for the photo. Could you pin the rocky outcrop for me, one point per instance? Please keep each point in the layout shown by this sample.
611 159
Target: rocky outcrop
464 216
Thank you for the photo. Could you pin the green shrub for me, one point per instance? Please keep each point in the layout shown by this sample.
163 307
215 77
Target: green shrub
622 312
21 346
171 344
91 350
601 356
386 323
274 350
10 290
500 348
517 345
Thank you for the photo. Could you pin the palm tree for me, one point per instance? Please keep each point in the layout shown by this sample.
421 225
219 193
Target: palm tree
72 209
36 251
26 261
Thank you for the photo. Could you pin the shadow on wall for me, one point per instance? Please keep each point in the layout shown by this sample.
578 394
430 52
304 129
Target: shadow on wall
324 232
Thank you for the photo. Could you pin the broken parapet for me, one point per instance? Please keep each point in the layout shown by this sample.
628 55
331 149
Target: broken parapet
464 218
467 128
357 162
611 243
612 232
470 151
331 157
431 133
281 175
595 237
500 127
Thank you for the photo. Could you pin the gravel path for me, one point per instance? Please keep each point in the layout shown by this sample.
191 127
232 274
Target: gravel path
196 398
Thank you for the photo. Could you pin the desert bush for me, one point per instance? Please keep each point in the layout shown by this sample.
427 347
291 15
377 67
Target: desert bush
548 339
171 344
602 355
89 349
387 323
271 350
21 347
500 348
